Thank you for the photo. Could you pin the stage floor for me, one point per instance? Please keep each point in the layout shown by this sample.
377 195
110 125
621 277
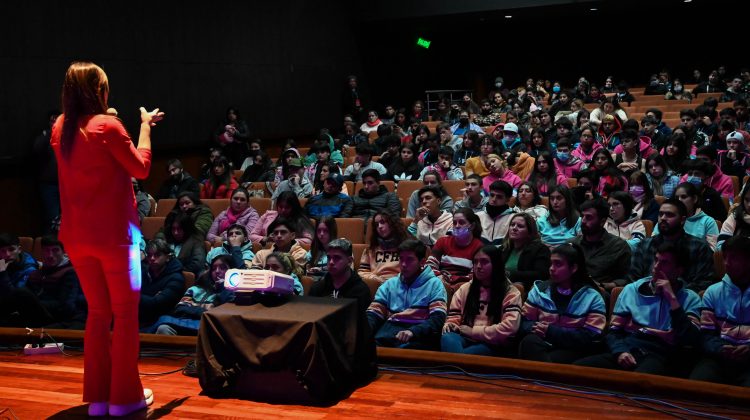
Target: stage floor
33 387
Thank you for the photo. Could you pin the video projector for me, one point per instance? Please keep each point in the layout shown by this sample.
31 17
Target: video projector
263 281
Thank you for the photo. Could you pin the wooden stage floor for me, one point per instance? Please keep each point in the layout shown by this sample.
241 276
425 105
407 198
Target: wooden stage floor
33 387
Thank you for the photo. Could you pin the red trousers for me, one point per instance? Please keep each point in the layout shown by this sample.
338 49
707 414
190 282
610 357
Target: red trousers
111 280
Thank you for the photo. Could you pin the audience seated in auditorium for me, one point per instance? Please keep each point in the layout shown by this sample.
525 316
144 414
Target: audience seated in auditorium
587 147
331 202
362 162
340 281
220 182
567 164
609 107
474 198
430 222
484 315
698 271
479 164
231 136
237 245
464 123
738 221
697 172
563 318
405 166
545 174
623 222
288 207
496 214
609 177
526 257
529 201
498 171
162 283
409 310
714 177
285 263
697 223
734 161
261 170
207 293
467 149
178 181
563 222
379 260
655 322
295 182
452 255
444 165
317 257
189 203
185 243
282 233
142 199
430 179
726 344
239 211
607 256
373 197
208 167
661 179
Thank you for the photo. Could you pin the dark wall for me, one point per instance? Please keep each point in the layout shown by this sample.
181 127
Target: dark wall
282 63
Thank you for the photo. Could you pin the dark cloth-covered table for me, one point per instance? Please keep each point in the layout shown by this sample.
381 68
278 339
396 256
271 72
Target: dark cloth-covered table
302 350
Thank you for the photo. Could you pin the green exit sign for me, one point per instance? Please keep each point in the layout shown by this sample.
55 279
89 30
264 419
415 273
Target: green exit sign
423 42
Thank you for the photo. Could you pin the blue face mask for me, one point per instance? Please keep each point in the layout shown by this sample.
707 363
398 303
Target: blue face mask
556 89
563 157
509 138
697 181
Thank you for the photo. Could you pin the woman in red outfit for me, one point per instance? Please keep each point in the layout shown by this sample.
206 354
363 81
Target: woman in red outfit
220 182
96 159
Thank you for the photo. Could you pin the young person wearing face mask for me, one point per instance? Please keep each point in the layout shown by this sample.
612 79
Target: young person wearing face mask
622 221
464 124
645 206
208 293
563 317
678 92
511 142
497 213
697 171
484 314
716 178
445 166
452 255
566 164
697 223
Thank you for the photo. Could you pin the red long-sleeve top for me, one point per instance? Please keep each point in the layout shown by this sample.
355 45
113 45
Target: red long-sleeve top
96 196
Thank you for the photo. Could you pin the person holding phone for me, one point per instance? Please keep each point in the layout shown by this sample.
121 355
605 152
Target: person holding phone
89 139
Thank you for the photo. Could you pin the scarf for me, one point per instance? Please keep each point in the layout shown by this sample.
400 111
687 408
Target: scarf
495 211
374 123
229 220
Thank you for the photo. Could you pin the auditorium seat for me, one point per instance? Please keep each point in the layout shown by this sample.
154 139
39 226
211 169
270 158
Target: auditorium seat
454 187
351 228
189 279
164 206
349 188
26 243
302 202
649 225
660 199
217 205
261 205
237 174
736 185
613 299
152 206
719 269
572 182
404 189
36 252
359 249
151 226
307 283
259 186
373 285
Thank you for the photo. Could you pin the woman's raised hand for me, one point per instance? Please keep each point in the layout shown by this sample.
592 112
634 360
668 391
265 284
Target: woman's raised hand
151 118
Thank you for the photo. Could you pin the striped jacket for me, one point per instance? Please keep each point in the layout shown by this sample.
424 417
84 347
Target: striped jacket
482 329
643 321
725 316
576 326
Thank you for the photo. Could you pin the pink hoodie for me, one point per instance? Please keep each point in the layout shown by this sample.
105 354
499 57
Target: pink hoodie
508 176
644 146
586 157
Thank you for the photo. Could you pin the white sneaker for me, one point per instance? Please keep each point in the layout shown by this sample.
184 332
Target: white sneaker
98 409
119 410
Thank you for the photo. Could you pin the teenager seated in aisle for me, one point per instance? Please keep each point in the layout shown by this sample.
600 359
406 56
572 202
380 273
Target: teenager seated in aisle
189 203
607 256
186 244
726 343
287 206
563 318
622 221
430 179
655 323
316 265
379 260
162 283
409 310
373 197
452 255
698 270
296 181
220 182
474 198
484 315
178 181
563 222
697 223
362 162
237 245
405 166
239 211
207 293
430 222
282 233
331 202
738 221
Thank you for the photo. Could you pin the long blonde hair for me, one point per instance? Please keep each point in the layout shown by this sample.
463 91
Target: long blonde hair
84 92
